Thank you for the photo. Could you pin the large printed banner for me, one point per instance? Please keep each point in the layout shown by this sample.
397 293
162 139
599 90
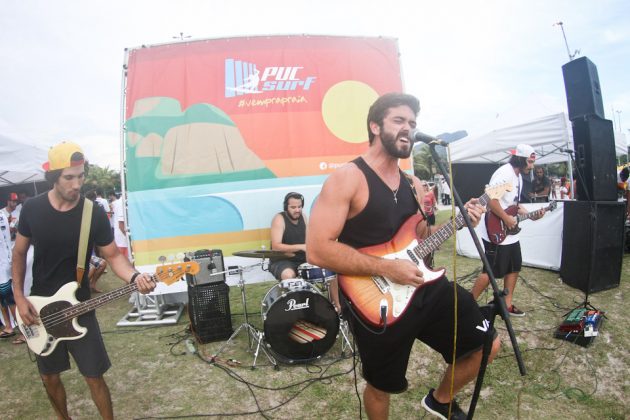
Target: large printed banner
218 131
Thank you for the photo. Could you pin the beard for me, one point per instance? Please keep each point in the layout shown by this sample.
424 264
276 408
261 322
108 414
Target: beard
389 143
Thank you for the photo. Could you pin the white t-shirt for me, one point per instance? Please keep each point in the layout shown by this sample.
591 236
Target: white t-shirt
505 174
119 216
5 249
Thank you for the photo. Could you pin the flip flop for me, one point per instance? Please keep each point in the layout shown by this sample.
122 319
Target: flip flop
5 334
19 340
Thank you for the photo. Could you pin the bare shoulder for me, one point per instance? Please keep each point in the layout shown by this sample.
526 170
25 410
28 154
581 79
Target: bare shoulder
344 181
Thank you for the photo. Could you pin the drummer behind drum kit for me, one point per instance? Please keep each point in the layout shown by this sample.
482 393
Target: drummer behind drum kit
300 324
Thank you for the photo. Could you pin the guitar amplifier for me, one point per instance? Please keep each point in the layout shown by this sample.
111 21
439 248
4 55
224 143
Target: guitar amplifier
211 267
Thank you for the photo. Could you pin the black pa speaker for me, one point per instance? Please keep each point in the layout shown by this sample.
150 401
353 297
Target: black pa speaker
599 241
594 144
211 267
581 83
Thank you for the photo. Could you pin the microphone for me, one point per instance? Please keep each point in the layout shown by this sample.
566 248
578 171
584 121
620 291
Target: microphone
417 135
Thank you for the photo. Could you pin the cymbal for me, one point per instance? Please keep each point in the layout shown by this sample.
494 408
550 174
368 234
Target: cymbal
263 253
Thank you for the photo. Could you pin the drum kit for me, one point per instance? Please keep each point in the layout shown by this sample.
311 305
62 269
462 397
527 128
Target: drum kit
300 323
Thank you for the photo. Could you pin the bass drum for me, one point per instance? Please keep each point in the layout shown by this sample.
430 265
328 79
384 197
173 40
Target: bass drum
300 325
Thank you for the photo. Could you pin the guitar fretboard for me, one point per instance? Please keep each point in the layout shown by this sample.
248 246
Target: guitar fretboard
434 241
94 303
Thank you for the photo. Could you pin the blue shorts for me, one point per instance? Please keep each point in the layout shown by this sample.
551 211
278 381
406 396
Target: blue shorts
6 294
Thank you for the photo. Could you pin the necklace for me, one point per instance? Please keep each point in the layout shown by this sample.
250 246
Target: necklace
395 192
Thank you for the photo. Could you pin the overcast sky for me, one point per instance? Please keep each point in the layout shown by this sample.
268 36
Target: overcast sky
467 61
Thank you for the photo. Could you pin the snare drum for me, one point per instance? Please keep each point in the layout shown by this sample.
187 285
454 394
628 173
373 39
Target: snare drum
314 274
300 325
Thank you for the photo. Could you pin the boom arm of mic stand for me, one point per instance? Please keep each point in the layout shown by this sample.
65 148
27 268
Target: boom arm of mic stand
498 297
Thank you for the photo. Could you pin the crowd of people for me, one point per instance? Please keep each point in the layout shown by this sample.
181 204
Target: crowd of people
364 207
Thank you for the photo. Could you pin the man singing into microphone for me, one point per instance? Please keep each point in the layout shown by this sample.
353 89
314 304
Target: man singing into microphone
364 204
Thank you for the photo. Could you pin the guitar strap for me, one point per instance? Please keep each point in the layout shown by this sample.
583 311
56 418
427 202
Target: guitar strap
86 222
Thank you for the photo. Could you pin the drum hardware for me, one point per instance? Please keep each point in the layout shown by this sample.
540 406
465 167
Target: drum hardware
264 253
253 334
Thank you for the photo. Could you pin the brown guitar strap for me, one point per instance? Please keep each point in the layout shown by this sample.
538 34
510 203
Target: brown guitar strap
415 194
86 222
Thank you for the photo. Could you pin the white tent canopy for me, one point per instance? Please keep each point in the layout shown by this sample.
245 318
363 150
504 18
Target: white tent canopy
20 162
532 123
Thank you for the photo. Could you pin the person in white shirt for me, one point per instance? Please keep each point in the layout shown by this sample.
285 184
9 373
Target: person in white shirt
505 258
120 229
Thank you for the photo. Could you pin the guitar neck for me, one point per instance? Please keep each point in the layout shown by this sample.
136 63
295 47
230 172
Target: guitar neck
436 239
91 304
531 214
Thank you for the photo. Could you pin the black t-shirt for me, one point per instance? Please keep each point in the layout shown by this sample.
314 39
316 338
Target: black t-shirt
55 237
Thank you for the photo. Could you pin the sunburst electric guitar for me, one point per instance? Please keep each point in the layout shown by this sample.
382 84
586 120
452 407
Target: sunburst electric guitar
367 293
497 231
58 313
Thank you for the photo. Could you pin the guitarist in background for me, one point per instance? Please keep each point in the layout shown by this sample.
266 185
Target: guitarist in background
364 203
52 222
505 258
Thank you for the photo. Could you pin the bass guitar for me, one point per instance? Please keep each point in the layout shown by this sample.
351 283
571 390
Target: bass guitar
366 293
58 313
498 231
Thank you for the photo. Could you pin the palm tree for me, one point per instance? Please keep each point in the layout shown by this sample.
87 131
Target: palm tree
423 164
104 178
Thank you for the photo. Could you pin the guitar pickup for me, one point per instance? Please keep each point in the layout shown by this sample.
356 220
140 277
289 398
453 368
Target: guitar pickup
29 332
381 283
412 257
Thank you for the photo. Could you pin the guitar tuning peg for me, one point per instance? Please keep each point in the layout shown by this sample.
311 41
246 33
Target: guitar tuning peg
190 254
162 259
171 258
180 256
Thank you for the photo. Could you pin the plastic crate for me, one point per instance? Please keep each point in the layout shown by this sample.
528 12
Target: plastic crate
209 311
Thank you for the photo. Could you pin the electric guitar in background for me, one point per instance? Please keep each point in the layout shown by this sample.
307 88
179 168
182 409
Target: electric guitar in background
366 293
58 313
498 231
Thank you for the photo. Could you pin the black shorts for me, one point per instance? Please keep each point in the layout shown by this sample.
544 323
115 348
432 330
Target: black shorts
88 352
504 259
428 318
277 267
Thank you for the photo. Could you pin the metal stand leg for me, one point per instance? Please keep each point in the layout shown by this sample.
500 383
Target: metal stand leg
150 310
253 334
345 341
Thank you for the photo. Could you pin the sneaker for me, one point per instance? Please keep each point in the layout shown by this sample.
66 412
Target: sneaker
441 410
514 311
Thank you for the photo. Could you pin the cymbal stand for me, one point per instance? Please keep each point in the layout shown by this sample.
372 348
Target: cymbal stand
345 341
253 334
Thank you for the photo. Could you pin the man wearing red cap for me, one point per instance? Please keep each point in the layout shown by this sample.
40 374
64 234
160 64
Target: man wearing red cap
12 213
505 258
52 223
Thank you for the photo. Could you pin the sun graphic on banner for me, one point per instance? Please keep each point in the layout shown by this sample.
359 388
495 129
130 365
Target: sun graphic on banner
345 108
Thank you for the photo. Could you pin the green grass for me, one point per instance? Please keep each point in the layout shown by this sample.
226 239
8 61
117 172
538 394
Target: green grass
154 375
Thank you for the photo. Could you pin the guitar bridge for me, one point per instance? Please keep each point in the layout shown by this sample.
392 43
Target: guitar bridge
381 283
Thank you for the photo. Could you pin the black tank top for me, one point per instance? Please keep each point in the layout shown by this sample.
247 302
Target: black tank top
294 234
382 216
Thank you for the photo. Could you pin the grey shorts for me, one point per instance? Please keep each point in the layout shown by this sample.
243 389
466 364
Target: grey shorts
88 352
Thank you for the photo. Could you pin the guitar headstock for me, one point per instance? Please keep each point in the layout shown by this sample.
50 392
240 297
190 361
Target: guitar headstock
170 273
552 205
496 191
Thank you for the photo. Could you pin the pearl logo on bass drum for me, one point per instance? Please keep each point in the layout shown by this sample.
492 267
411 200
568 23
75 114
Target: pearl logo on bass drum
292 305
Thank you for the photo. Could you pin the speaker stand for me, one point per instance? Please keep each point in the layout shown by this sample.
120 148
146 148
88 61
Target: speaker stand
593 231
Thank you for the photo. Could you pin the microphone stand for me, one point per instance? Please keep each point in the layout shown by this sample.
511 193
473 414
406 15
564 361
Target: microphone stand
497 307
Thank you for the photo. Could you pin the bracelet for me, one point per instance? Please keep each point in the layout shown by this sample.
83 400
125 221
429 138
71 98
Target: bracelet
133 277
